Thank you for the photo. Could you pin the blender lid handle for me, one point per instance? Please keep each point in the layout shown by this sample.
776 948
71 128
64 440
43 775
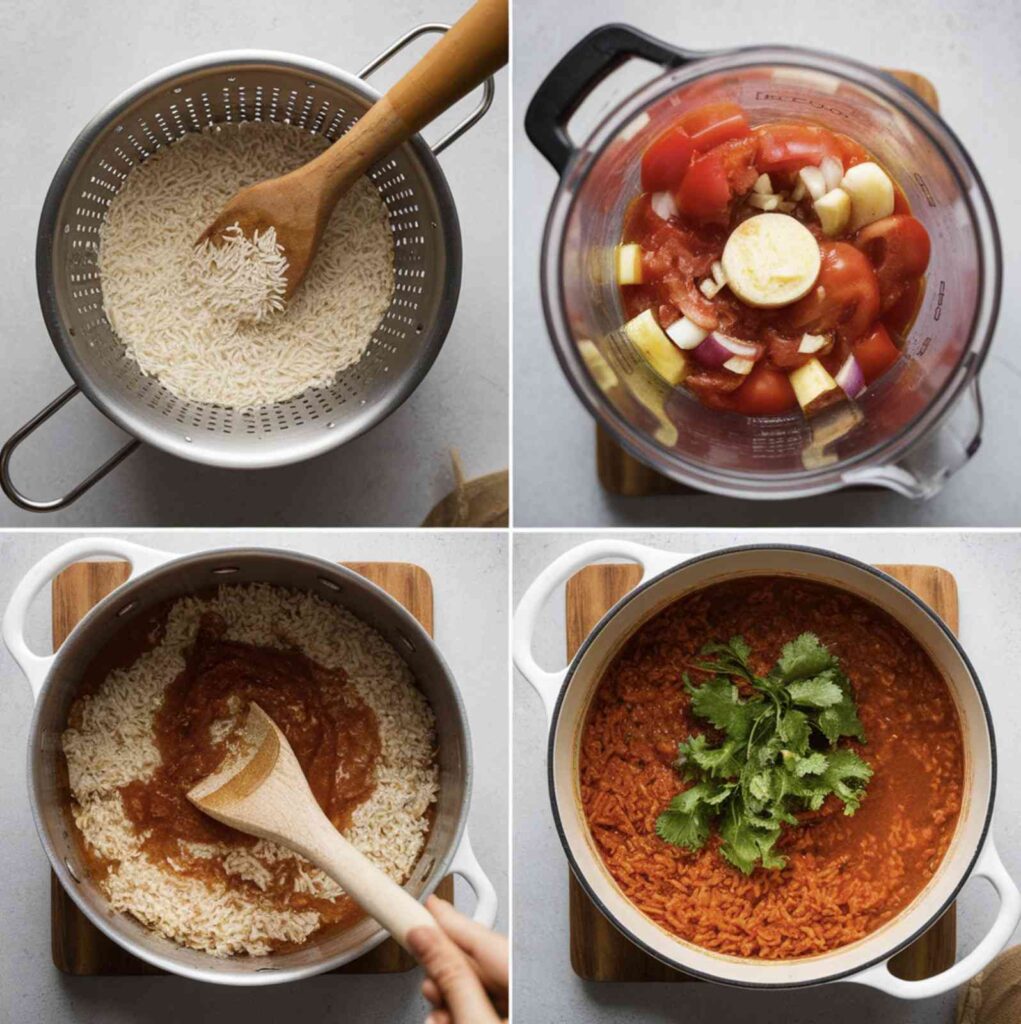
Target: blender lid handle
578 72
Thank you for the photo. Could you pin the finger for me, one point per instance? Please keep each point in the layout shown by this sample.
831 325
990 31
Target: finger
432 993
486 948
463 994
439 1017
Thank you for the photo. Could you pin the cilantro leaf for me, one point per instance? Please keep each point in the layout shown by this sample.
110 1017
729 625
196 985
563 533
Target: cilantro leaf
769 764
804 658
819 692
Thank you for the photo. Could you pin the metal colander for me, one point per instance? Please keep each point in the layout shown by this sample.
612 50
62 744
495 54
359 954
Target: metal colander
225 88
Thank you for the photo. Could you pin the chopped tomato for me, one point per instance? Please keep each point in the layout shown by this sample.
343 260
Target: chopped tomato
845 298
714 123
783 351
898 248
851 152
666 160
876 353
786 148
714 179
765 392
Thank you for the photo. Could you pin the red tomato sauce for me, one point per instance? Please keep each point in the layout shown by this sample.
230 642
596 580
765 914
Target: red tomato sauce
868 290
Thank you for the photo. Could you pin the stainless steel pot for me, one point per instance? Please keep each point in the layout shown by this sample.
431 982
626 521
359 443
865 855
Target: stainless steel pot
155 577
230 87
667 577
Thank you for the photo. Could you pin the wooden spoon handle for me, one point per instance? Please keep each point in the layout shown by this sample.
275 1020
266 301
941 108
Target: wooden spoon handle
372 889
473 49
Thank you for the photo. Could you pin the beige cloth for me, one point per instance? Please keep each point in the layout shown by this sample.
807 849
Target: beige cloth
483 501
994 996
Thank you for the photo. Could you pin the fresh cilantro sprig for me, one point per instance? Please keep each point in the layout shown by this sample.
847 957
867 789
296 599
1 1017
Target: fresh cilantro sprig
778 754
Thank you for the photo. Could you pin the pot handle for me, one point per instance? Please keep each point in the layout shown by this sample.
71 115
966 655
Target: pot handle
547 684
467 866
488 86
578 72
989 866
52 504
36 666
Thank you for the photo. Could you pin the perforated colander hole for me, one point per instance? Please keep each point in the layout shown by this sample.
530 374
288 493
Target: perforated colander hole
130 606
407 643
330 584
225 570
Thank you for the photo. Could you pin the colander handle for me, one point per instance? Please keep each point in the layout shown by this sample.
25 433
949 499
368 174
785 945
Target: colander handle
8 450
488 88
547 684
579 71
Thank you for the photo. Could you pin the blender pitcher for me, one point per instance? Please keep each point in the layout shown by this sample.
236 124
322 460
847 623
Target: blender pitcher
912 428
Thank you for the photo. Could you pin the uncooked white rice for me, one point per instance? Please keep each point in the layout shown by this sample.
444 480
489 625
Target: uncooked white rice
112 744
161 308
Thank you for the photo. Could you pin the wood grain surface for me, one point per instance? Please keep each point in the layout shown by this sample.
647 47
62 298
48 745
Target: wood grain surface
78 947
601 953
621 473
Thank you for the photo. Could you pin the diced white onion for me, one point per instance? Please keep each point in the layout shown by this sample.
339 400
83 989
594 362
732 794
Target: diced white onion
832 171
812 343
799 191
686 334
719 275
709 288
763 185
663 205
814 182
761 202
738 365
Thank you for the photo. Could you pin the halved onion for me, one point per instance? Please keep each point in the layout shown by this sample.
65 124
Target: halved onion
686 334
850 378
663 205
717 350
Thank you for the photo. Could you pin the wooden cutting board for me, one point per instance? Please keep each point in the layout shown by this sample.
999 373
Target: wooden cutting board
78 947
601 953
623 474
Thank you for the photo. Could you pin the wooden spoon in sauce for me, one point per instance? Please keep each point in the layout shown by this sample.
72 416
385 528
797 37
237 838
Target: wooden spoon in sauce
299 204
265 793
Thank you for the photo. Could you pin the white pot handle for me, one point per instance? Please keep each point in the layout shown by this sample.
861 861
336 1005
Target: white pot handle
467 866
36 666
547 684
988 866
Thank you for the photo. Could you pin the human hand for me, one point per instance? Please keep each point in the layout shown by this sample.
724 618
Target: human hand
467 966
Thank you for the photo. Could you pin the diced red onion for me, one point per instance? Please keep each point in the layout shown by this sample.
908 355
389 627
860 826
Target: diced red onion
717 349
850 378
686 334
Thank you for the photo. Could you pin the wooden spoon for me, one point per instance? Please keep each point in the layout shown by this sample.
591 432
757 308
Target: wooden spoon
266 794
299 204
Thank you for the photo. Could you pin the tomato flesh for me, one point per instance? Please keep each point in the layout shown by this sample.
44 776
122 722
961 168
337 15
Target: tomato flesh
898 248
666 160
714 123
876 353
710 158
765 392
